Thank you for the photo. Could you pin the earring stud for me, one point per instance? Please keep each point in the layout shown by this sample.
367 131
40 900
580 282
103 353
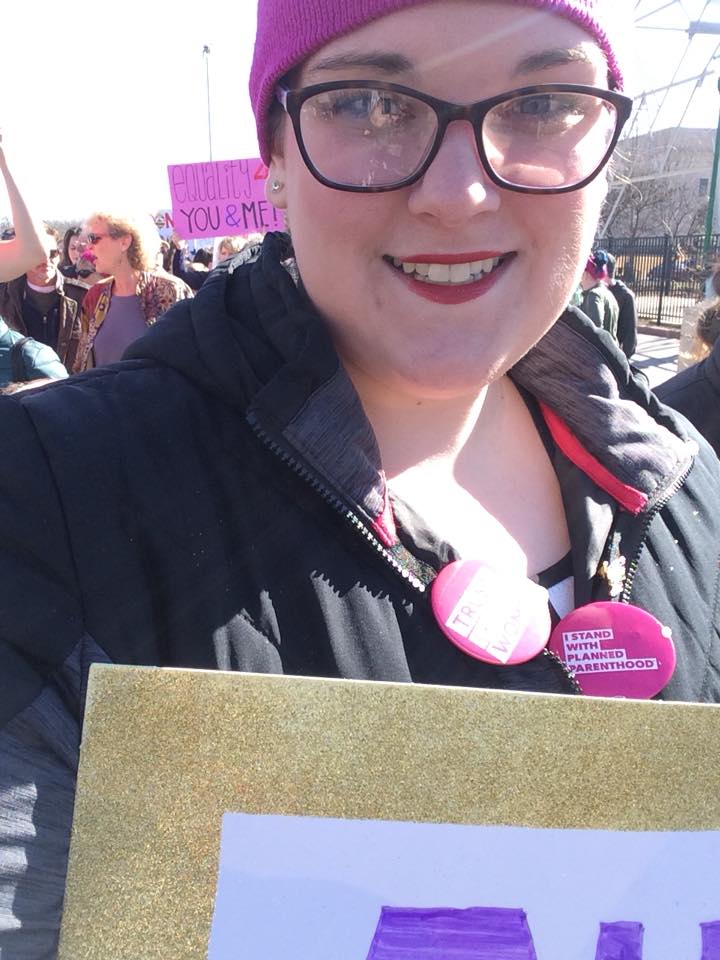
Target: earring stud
275 186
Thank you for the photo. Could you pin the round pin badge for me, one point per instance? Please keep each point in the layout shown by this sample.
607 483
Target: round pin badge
615 650
491 616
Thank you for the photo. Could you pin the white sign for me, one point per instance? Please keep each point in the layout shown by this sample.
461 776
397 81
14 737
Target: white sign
322 889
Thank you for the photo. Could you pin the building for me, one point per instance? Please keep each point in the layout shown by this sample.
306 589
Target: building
660 183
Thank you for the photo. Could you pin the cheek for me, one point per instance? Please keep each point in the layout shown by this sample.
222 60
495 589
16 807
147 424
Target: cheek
327 219
564 236
336 235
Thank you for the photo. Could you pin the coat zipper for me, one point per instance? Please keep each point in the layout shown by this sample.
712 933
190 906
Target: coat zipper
335 502
340 507
635 562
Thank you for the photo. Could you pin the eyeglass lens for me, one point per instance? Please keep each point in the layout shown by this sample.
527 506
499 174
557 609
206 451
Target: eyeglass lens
368 138
359 136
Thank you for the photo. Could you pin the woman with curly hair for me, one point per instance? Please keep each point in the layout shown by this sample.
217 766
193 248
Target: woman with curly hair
380 449
118 309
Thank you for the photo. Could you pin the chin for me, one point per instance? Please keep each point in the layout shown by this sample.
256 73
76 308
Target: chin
448 382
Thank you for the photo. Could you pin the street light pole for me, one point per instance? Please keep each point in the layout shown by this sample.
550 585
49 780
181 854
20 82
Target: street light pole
713 190
206 54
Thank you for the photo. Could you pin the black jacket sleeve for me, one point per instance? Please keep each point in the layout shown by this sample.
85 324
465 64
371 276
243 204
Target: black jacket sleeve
44 658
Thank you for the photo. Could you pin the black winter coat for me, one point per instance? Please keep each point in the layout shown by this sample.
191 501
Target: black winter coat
216 501
627 317
695 392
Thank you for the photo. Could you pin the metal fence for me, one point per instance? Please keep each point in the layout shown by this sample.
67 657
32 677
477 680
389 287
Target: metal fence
667 274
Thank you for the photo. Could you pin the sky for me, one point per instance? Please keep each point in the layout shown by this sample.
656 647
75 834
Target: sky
97 99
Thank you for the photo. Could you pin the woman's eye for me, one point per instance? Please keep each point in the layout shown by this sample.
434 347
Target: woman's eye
547 106
357 106
378 109
536 107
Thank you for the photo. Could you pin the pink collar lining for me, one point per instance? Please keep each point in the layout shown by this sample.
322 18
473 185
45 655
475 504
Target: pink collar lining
632 500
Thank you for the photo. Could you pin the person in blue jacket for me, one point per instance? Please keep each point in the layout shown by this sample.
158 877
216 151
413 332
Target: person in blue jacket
23 359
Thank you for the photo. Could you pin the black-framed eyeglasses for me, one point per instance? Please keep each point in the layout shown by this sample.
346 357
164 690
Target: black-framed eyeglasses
367 136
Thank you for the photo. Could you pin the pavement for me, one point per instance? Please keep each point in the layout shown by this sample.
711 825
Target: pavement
656 356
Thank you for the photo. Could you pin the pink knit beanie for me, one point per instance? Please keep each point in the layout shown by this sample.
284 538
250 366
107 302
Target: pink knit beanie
288 31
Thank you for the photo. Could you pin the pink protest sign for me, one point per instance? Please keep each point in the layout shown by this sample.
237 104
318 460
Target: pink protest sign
222 198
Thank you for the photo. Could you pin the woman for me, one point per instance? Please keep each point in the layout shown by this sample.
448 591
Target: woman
229 246
72 249
134 294
287 466
598 303
25 249
695 391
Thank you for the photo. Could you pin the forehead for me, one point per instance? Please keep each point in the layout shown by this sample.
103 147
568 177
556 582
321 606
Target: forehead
494 42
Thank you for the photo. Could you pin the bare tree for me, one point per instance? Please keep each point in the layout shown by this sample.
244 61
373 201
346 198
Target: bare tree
663 184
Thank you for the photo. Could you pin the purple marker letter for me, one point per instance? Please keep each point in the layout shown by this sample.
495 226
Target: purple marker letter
710 940
476 933
620 941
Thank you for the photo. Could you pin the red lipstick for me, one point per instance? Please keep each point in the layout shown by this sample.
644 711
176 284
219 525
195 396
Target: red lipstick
449 293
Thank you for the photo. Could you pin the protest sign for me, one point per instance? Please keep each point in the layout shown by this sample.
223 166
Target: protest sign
318 888
275 817
221 198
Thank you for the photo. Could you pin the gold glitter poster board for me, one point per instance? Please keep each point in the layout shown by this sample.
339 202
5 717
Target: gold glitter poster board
167 752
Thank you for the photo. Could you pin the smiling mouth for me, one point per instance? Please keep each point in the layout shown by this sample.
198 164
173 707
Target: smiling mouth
448 274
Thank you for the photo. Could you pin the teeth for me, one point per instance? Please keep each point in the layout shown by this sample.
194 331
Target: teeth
448 272
439 273
459 272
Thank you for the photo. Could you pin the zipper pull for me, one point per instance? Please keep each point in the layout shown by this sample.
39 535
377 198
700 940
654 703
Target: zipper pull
614 570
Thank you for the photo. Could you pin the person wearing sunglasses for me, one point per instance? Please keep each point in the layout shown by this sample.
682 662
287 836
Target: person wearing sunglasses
45 305
133 293
286 473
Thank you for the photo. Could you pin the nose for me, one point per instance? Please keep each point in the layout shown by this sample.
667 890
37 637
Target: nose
455 187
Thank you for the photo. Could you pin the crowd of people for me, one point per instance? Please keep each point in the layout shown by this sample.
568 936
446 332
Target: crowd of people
93 293
328 443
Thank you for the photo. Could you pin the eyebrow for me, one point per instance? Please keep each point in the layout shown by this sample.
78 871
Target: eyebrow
390 63
557 57
393 63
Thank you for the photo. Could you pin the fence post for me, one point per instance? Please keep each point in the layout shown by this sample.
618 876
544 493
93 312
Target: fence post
663 278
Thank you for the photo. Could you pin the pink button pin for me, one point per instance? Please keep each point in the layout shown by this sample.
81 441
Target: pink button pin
615 650
491 616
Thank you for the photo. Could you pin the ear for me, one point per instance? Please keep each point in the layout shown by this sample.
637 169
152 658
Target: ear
275 192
